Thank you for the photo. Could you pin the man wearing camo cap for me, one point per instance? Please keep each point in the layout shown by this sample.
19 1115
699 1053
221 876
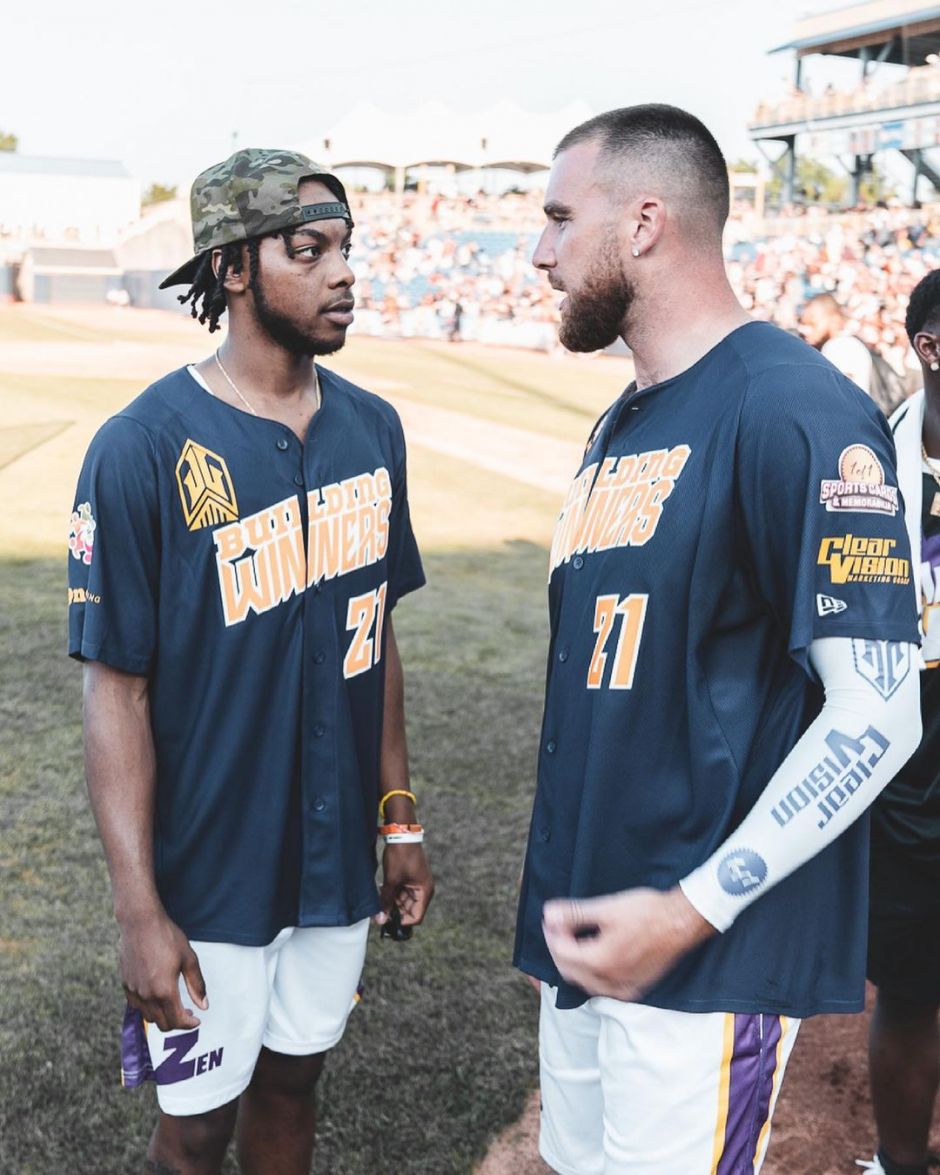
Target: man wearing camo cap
239 539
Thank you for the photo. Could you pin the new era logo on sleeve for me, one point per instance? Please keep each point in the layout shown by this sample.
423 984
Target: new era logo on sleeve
829 605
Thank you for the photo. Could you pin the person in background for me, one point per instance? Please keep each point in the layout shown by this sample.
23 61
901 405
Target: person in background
822 324
904 930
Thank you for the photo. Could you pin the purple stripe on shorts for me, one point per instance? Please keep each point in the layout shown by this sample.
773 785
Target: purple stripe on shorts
765 1088
135 1055
750 1088
736 1155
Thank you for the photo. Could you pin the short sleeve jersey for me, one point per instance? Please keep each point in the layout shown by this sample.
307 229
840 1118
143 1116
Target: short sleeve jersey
248 577
721 521
906 816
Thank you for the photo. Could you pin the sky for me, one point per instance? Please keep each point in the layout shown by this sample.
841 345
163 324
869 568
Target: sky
168 88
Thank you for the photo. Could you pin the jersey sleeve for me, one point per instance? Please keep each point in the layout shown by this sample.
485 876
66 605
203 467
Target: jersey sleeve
822 516
113 560
405 570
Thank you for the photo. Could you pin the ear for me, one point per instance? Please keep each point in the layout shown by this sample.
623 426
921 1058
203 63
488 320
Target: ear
927 346
649 225
236 280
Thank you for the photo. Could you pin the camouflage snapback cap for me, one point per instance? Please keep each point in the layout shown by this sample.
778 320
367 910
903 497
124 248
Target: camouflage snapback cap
255 191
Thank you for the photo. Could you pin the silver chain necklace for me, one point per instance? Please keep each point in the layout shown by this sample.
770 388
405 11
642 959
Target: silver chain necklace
231 383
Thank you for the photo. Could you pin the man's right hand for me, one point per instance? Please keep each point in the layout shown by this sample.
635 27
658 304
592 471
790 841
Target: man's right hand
154 952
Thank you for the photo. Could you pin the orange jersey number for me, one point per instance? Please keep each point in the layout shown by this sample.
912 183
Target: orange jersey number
365 616
632 613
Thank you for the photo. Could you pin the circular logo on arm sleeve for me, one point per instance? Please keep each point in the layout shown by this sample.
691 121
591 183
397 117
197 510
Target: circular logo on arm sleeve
741 871
861 486
857 463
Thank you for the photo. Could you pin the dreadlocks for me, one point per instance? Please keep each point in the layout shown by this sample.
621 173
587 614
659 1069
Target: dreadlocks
210 287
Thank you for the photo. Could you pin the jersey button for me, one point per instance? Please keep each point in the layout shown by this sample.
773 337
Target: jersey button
551 746
545 835
298 479
281 443
319 803
319 731
577 562
563 656
319 657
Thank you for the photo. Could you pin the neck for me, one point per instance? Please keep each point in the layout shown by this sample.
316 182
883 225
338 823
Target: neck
263 369
673 324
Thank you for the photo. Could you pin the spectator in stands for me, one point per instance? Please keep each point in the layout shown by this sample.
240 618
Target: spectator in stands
822 324
434 250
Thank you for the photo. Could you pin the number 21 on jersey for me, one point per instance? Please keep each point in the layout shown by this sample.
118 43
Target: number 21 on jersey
365 616
628 616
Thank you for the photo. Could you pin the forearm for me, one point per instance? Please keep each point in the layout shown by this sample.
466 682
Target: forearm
120 771
849 753
393 766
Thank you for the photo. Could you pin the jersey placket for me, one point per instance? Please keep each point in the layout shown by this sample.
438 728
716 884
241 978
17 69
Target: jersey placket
566 732
321 840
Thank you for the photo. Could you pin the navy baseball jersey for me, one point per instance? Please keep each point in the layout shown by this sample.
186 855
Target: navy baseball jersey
721 521
248 576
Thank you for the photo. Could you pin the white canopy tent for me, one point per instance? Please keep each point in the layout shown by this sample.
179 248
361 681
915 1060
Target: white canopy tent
505 136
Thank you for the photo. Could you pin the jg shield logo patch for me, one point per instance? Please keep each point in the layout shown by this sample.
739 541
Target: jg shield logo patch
883 664
741 871
206 490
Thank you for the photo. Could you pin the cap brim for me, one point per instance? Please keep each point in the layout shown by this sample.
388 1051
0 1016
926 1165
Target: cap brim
183 276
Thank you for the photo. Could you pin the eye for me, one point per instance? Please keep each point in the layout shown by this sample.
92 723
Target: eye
346 250
311 251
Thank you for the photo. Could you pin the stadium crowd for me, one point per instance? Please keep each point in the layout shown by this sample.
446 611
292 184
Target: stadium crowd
460 268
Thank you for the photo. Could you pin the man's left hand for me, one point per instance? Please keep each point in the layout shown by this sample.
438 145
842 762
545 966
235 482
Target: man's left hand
621 944
406 883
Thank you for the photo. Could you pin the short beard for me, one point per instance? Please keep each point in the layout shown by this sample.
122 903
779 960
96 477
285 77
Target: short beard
594 317
285 333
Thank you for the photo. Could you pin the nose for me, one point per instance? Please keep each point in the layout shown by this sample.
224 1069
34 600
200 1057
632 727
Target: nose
544 255
343 277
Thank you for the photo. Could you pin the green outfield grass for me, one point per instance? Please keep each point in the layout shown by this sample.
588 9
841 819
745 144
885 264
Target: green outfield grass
560 397
440 1055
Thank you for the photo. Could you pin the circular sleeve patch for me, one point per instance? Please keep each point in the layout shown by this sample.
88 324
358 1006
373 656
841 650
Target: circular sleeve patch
741 871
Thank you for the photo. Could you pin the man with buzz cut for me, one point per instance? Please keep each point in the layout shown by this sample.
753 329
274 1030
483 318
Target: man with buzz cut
240 538
732 679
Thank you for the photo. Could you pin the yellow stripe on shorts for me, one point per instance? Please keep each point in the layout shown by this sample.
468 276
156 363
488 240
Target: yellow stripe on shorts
724 1090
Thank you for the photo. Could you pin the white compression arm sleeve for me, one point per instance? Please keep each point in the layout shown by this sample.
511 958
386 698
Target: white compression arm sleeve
866 731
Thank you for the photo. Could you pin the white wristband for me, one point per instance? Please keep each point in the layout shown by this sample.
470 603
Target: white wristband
404 838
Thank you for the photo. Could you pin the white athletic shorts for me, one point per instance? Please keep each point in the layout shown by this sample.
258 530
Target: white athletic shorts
632 1090
293 996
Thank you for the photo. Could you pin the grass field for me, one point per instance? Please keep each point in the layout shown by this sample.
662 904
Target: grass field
440 1055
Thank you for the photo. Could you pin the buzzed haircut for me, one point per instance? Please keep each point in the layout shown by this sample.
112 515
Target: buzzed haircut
667 135
923 310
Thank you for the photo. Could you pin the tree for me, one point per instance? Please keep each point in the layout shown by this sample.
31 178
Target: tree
875 186
815 183
8 142
158 193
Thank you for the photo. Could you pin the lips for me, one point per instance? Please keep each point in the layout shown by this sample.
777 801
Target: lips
340 312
